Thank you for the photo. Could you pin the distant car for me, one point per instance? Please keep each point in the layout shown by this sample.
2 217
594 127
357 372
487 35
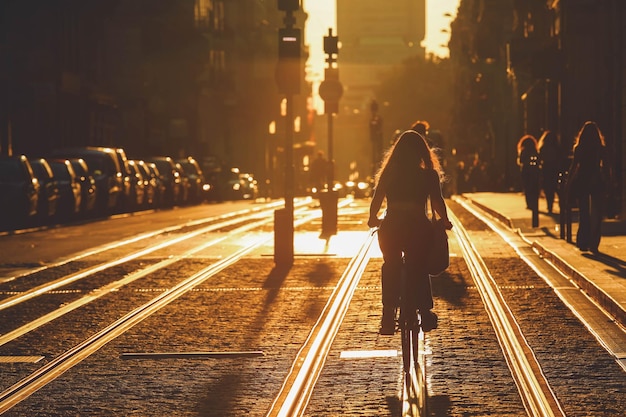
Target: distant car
185 185
159 190
87 186
105 169
129 200
20 187
49 193
197 182
137 188
170 177
143 191
241 186
213 177
69 186
359 189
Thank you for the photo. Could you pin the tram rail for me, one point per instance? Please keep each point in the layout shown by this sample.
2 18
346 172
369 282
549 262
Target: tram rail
537 396
44 375
296 390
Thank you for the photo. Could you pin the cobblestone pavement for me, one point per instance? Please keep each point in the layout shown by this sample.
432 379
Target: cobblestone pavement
255 307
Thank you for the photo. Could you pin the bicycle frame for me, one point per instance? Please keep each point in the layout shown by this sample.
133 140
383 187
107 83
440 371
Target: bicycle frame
414 392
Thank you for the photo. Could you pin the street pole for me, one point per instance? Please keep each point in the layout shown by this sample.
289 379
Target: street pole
288 78
330 91
289 168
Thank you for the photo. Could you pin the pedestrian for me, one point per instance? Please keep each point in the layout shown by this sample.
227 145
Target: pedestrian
588 182
409 175
421 127
550 162
528 162
319 172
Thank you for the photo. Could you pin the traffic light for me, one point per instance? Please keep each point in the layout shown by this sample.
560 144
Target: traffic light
331 89
331 43
289 71
289 43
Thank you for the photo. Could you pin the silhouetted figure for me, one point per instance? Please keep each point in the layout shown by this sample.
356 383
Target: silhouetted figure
478 175
461 178
319 172
409 175
550 162
588 181
421 127
528 161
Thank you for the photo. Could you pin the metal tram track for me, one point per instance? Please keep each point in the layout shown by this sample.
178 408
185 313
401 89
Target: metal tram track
99 292
534 389
214 224
21 390
298 386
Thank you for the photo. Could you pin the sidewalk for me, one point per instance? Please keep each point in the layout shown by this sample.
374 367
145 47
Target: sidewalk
602 276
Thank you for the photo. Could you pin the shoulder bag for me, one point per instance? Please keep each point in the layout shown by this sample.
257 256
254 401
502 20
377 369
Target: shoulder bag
439 257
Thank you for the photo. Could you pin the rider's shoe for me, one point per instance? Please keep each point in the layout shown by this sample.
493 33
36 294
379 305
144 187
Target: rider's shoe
388 322
429 320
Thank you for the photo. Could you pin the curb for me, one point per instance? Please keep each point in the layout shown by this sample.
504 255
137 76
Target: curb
599 296
604 300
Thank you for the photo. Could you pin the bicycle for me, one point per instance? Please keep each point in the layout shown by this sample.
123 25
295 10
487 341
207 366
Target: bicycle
409 323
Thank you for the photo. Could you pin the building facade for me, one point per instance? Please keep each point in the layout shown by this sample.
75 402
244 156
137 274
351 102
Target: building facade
522 67
375 35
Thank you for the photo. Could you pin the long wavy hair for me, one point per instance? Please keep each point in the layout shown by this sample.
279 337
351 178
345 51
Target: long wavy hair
548 139
526 141
589 137
409 152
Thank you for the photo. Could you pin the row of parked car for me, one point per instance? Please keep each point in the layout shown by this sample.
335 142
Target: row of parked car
83 182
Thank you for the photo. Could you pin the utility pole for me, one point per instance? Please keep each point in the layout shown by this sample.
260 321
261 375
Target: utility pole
288 79
376 136
330 91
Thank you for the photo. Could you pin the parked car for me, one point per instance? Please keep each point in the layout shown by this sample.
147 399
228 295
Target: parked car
87 186
170 177
69 186
149 182
130 199
214 177
214 186
185 185
160 189
241 186
197 182
20 187
49 193
138 185
105 169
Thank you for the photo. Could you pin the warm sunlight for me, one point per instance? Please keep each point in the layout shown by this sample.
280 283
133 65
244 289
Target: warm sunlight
322 16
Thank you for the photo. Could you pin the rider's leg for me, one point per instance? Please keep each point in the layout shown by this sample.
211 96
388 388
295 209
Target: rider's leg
390 275
418 282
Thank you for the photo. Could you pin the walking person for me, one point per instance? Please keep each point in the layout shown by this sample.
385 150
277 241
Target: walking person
410 174
528 162
319 172
588 181
550 161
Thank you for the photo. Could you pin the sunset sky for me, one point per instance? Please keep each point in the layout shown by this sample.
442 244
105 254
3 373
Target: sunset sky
322 16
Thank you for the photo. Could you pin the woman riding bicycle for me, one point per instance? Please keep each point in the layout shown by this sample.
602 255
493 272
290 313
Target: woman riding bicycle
410 173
